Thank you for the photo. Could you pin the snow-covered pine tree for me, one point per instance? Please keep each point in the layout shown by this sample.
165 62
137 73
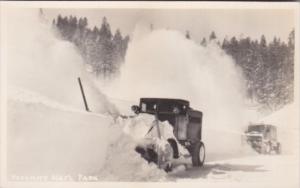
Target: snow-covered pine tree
107 50
203 42
212 36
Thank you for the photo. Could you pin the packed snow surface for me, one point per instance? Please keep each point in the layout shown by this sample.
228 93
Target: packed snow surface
251 171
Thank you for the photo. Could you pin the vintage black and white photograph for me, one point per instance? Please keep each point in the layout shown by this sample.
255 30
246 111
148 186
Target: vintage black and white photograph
185 92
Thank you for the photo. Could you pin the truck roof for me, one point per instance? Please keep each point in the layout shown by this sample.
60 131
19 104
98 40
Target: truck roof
262 125
165 100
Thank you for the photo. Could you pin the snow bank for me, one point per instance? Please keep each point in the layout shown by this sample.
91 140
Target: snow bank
45 141
122 162
139 126
40 62
55 141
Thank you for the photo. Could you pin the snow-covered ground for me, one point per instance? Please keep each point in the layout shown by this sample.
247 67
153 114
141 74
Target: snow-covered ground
250 171
52 140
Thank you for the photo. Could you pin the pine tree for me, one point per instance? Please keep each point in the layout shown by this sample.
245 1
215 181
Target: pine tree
82 23
91 50
59 22
212 36
203 42
187 35
225 43
117 50
263 41
289 66
99 48
105 32
291 40
107 48
232 48
96 34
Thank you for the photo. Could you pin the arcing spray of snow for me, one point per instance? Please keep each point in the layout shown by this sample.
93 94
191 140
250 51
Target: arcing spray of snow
164 63
38 61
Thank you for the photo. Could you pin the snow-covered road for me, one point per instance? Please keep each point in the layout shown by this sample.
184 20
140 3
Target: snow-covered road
253 171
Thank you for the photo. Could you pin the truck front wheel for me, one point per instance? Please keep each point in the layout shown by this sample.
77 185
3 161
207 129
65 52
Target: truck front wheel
174 146
198 154
278 149
265 148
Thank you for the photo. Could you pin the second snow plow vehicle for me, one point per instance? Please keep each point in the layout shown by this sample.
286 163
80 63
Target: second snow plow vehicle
263 138
186 123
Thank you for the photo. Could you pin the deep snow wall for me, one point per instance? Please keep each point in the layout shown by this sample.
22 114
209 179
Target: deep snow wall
48 131
46 141
163 63
51 142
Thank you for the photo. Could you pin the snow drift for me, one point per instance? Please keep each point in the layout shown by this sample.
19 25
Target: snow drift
46 139
40 62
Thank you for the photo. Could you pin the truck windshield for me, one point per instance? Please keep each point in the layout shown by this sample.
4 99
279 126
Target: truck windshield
256 128
163 106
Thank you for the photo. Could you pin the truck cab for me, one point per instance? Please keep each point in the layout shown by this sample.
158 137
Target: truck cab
186 123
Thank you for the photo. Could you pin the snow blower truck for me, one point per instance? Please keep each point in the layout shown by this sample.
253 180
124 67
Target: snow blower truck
187 130
263 138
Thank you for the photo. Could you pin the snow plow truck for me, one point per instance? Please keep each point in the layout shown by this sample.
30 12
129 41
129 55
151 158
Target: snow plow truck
187 129
263 138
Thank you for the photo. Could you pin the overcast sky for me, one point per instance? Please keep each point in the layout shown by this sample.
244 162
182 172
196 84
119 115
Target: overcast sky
200 22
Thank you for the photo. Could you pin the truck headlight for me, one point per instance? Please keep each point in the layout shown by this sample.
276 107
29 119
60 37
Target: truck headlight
176 110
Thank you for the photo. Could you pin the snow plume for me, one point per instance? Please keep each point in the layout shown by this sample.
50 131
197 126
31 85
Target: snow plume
163 63
122 162
40 62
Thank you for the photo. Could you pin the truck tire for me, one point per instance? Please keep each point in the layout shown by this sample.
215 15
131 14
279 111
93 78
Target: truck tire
278 149
265 148
198 154
148 154
268 148
174 146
